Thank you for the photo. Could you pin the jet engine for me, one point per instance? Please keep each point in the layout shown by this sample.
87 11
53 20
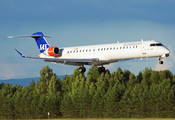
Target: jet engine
51 51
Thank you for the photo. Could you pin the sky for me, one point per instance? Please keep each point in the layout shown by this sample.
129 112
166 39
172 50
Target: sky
82 22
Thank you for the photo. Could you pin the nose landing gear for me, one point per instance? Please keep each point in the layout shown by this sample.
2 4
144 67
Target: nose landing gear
160 60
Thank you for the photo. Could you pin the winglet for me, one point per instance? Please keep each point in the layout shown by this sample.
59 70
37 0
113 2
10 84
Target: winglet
22 55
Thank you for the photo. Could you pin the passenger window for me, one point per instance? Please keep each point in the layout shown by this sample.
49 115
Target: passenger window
111 48
101 49
80 50
93 49
123 47
67 51
74 51
114 48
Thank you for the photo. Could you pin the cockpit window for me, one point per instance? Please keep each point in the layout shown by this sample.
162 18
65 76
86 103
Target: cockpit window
157 44
152 44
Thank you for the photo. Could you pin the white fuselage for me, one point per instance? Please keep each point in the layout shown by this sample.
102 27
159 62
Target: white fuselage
108 53
116 51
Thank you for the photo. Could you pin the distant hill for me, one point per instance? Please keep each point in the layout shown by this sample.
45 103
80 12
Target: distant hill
24 81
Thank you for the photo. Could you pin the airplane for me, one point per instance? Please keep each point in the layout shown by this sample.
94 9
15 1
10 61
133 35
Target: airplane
97 55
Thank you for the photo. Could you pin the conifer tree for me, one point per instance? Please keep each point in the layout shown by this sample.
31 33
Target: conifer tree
93 73
139 76
111 103
154 79
146 77
90 91
53 98
165 74
126 74
132 80
45 76
119 75
98 98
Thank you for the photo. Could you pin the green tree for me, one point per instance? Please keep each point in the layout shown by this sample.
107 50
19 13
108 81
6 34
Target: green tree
154 79
93 73
119 75
146 77
53 98
139 77
126 74
132 81
98 98
90 89
45 76
111 101
165 74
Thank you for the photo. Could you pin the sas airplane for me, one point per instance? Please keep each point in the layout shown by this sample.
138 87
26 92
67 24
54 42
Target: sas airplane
97 55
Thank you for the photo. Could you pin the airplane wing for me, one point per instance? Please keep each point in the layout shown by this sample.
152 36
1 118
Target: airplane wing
79 62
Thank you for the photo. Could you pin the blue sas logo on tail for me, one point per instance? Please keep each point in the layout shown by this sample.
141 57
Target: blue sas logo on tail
41 41
43 46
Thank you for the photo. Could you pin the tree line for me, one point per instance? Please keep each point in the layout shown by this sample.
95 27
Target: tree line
119 94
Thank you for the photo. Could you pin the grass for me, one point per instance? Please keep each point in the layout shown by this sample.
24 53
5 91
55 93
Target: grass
98 119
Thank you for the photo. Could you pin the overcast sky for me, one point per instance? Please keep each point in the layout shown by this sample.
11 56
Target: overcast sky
82 22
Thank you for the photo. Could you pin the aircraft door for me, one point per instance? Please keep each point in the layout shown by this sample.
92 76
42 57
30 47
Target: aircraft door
93 51
143 49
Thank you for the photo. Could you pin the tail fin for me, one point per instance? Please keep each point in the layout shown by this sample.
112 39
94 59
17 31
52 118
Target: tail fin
41 41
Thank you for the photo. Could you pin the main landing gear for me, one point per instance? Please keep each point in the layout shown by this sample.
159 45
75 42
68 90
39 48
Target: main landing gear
83 69
101 69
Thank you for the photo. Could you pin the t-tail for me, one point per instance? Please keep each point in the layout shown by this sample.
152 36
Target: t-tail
42 44
41 41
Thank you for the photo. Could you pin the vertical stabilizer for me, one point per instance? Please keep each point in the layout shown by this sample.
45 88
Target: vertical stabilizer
41 41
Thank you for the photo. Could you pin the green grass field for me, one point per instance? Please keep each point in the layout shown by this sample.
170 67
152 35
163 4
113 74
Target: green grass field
101 119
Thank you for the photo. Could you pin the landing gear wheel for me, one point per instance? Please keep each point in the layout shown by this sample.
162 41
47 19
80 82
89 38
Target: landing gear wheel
160 62
82 69
101 69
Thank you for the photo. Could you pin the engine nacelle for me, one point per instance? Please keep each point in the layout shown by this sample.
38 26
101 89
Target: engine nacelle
52 51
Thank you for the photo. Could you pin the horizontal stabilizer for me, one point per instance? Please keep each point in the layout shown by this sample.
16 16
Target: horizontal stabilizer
27 36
